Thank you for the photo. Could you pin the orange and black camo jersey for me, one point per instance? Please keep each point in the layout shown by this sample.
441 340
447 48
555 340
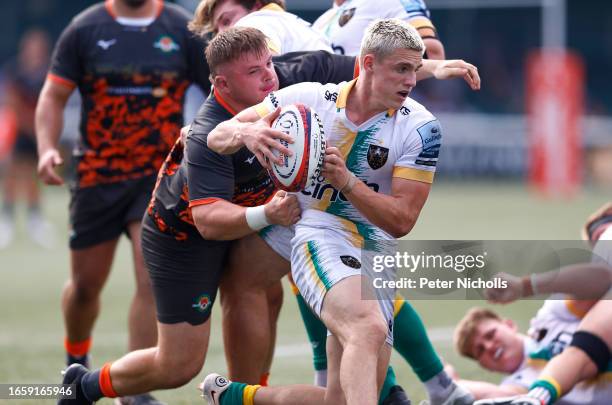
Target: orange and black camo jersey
196 175
132 80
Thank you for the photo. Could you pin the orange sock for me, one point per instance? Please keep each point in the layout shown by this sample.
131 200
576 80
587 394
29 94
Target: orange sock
77 349
106 385
263 380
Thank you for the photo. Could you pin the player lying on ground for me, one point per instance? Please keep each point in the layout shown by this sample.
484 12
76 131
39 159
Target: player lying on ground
185 247
371 110
588 355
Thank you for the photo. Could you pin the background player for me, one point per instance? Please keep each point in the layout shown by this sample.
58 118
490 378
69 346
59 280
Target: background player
132 61
25 77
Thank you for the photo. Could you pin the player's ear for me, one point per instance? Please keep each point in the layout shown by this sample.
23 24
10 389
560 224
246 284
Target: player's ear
220 82
368 62
511 324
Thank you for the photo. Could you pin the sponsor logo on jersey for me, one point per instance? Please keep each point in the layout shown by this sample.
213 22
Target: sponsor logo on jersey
104 44
351 262
202 303
404 111
431 138
273 99
329 96
346 16
166 44
318 192
377 156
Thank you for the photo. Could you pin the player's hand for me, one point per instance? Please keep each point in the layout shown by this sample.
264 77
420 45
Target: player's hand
334 168
455 68
512 292
283 209
46 167
262 140
184 134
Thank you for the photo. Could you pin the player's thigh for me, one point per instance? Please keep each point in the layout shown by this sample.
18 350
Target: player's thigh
183 345
252 264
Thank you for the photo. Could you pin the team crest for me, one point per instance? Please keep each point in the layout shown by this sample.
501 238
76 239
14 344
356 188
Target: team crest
166 44
346 16
377 156
202 303
351 261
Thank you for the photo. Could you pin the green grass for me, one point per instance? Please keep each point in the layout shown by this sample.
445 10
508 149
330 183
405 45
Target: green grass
31 331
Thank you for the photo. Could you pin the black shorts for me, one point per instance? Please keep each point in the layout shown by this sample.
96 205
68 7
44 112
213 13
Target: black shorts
185 274
25 146
101 213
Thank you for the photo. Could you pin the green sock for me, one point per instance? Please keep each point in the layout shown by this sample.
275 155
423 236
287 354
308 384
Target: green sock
411 341
233 394
317 333
387 384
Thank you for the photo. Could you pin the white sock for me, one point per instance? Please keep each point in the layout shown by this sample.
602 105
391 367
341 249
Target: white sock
439 387
540 393
320 378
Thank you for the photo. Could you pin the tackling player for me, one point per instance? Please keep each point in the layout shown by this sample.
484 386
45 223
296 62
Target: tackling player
132 61
362 116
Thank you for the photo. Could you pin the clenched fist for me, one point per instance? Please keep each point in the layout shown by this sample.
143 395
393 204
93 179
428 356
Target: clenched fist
283 209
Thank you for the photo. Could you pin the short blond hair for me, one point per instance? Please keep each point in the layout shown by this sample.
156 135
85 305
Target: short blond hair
464 332
233 44
382 37
202 23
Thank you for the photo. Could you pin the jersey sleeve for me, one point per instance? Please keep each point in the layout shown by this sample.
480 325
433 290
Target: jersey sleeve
66 67
305 93
418 15
210 176
317 66
420 150
200 71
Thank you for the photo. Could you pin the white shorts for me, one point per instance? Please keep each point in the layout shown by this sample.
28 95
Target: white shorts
279 239
318 265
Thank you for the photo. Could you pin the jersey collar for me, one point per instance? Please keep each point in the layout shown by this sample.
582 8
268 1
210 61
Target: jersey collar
108 4
223 103
272 7
343 96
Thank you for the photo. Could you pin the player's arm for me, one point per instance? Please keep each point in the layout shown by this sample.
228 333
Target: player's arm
450 69
396 214
586 281
49 121
248 129
223 220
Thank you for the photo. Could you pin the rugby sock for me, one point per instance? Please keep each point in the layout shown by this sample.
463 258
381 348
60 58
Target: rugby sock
239 394
545 389
411 341
320 378
97 384
387 385
76 352
317 334
439 387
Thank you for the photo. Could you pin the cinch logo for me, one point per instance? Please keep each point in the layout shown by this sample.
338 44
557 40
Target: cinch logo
329 96
273 99
202 303
318 192
166 44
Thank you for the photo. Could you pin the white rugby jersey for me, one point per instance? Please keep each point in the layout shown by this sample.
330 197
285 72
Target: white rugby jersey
602 251
550 332
403 143
345 25
286 32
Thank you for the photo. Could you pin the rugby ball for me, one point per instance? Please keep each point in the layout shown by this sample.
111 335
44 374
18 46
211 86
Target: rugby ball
300 170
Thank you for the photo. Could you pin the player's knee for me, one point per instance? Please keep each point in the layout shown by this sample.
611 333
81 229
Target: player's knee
368 331
85 292
594 347
275 298
179 373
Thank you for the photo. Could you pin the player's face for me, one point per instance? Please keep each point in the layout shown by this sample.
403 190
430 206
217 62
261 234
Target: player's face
497 346
395 76
251 78
226 14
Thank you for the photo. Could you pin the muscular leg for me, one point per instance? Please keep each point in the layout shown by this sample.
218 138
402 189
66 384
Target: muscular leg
252 270
81 295
141 324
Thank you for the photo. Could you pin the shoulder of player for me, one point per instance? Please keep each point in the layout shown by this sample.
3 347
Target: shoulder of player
412 113
176 15
210 114
93 15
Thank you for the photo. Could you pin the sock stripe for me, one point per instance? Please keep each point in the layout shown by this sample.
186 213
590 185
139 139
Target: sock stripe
106 385
555 385
77 349
248 395
263 379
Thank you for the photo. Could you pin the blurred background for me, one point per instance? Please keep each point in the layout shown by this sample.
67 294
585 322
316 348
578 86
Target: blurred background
529 156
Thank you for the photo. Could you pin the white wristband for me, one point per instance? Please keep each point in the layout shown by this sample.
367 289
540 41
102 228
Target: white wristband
256 217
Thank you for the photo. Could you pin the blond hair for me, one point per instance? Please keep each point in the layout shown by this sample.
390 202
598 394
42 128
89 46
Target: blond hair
202 22
382 37
233 44
466 328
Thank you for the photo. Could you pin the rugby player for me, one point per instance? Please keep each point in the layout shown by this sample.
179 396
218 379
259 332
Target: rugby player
286 32
184 265
390 57
345 23
132 61
580 373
